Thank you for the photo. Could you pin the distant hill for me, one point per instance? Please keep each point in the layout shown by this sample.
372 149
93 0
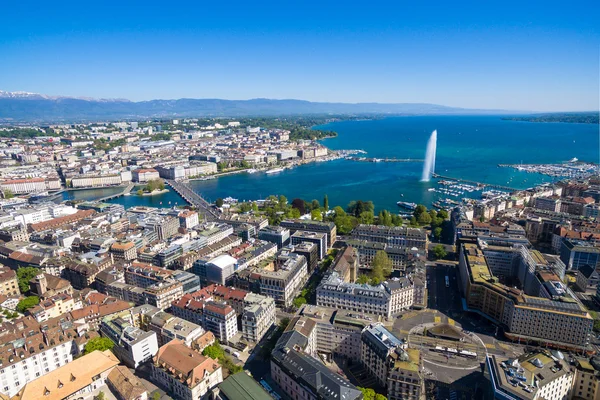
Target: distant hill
573 118
33 107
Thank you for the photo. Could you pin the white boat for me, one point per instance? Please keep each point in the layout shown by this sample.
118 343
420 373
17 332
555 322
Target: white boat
251 170
274 171
407 205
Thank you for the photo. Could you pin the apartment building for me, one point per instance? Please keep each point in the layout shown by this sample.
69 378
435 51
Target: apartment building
144 175
124 251
257 317
275 234
9 285
538 375
221 320
54 306
85 181
184 372
49 345
388 299
538 313
395 236
169 327
283 282
320 239
327 228
33 185
133 346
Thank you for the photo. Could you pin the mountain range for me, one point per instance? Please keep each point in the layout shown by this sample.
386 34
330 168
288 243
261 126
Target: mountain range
33 107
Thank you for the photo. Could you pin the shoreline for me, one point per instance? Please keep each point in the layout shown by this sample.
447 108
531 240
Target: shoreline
152 193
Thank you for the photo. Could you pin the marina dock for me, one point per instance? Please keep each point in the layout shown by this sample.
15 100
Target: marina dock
370 159
480 184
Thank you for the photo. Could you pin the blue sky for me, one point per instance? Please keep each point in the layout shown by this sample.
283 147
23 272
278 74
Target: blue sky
525 55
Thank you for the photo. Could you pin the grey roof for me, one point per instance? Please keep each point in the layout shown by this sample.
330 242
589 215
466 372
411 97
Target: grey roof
314 376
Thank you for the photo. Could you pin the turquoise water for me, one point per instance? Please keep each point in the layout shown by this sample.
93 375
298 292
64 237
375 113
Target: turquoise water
469 147
161 200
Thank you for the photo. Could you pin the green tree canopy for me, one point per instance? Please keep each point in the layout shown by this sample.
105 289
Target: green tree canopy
439 252
299 301
27 303
339 211
443 214
358 206
366 217
24 275
424 218
214 351
315 204
8 194
219 202
282 200
420 209
99 343
315 215
362 279
326 203
381 259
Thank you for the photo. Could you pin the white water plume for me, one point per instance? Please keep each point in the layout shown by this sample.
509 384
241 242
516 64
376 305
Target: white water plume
429 165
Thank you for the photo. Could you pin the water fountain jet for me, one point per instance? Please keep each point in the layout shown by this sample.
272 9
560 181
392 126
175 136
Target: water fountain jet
429 165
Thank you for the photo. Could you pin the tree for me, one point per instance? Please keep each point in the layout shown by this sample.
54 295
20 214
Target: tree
299 205
339 211
8 194
140 192
362 279
437 233
315 204
439 252
214 351
433 214
100 396
443 214
24 275
326 203
315 215
345 224
299 301
366 217
482 219
368 393
424 218
156 395
219 202
382 262
282 200
420 209
293 213
27 303
384 218
357 207
99 343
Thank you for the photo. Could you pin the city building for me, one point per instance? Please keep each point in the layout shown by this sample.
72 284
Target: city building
396 236
320 239
144 175
538 312
577 253
9 285
387 299
221 320
133 346
240 386
328 228
183 372
310 251
275 234
258 318
539 375
216 270
79 378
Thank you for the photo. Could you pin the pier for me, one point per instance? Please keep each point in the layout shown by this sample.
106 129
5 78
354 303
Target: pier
480 184
369 159
193 198
125 191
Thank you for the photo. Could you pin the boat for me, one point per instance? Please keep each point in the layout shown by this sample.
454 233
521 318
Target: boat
431 190
274 171
407 205
251 170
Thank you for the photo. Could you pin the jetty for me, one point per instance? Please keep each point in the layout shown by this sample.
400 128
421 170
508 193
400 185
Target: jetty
372 159
193 198
124 192
480 184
